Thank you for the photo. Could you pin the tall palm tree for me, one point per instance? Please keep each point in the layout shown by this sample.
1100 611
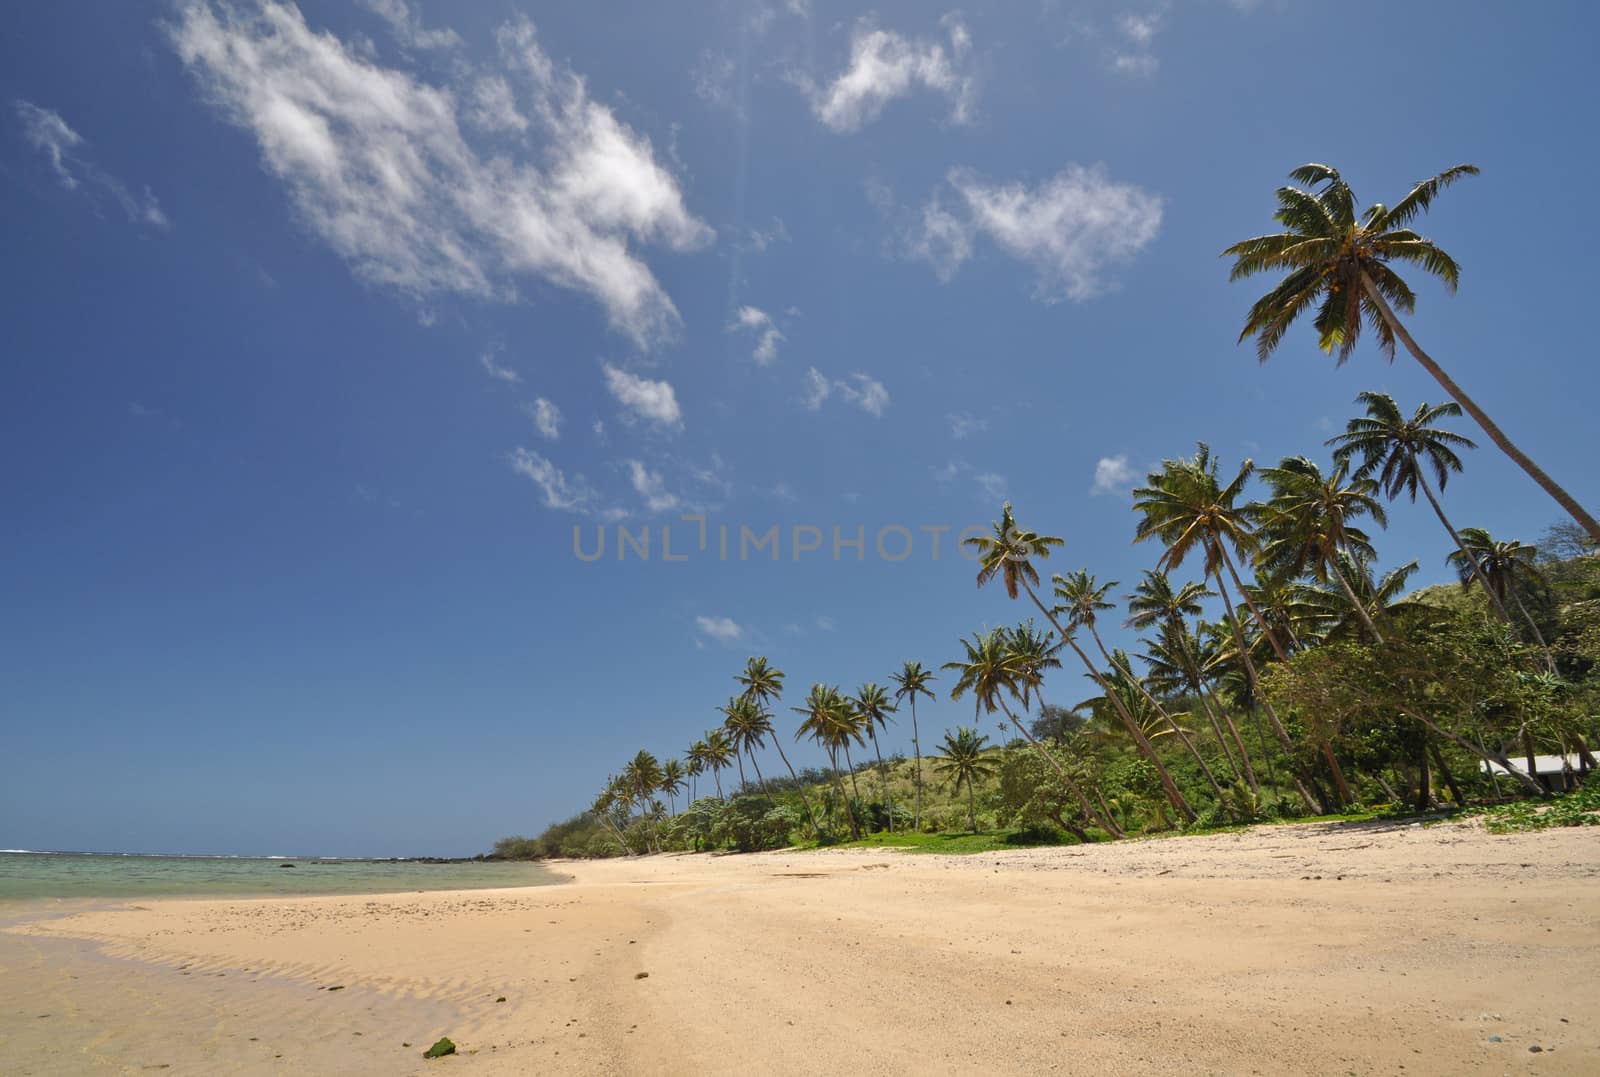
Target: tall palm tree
1154 602
962 761
1401 452
828 719
719 755
1330 254
1187 507
1309 521
911 681
672 780
763 684
872 703
696 756
641 779
747 725
1007 555
1083 599
1501 566
992 668
610 800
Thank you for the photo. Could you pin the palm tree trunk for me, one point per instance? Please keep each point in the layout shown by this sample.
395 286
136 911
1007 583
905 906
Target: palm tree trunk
883 776
1216 705
805 801
1144 745
762 782
916 748
716 772
1470 406
1549 659
1255 611
1487 756
1356 604
838 781
1341 787
1104 821
1477 569
1424 778
1150 699
972 812
1254 680
738 757
1449 778
854 787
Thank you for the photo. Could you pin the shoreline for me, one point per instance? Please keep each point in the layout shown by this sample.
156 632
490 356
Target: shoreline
1306 948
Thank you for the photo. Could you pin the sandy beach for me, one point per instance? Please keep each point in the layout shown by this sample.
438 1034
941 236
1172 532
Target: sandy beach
1374 948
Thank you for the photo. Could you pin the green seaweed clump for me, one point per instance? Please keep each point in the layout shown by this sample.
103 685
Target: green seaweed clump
440 1049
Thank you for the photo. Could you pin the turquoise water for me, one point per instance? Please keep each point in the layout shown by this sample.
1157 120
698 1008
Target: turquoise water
27 876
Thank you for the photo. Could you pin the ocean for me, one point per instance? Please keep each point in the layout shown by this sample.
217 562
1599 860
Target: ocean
34 876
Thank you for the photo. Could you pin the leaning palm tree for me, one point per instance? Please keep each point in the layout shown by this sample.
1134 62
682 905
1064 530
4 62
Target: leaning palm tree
747 725
762 685
672 781
1401 452
1332 256
1309 521
1082 600
1155 603
911 681
872 703
828 719
962 761
1186 507
990 670
719 755
1007 555
1502 566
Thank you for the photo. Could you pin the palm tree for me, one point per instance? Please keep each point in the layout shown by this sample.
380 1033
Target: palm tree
719 755
747 725
672 777
696 755
962 761
1402 451
829 720
1007 556
1082 600
1186 506
762 685
1333 256
641 778
1501 566
1154 602
1307 523
992 668
872 703
911 681
605 807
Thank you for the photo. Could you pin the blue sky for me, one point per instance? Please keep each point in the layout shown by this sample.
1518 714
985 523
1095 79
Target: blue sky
325 326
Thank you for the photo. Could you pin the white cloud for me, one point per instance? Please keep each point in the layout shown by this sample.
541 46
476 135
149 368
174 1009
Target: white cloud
991 485
46 131
760 240
546 418
753 319
648 485
885 65
406 25
721 629
377 166
1070 228
818 389
653 400
824 624
494 106
495 370
1140 31
1113 475
864 392
963 425
559 492
860 389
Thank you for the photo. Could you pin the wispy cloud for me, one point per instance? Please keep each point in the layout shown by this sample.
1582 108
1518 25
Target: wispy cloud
546 418
991 485
721 629
1071 229
860 389
557 489
493 368
1139 31
768 337
64 148
885 65
963 425
644 398
1113 475
405 22
377 165
649 486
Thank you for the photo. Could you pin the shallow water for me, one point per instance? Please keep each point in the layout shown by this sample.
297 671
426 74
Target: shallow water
28 876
